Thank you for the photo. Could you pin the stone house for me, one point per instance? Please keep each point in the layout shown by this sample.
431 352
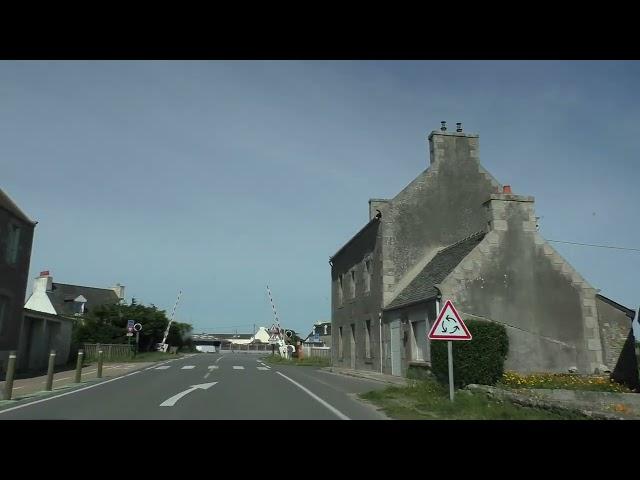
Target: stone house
16 239
455 233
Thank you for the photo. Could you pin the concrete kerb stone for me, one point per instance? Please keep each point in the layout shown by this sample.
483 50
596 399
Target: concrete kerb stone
368 375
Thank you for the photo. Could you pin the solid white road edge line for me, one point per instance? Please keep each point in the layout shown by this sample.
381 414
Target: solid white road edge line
68 393
337 412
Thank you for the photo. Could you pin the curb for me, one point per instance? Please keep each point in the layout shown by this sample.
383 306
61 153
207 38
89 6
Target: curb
401 382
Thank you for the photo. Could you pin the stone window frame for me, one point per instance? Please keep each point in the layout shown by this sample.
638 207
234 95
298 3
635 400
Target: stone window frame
367 339
12 244
352 283
367 264
5 309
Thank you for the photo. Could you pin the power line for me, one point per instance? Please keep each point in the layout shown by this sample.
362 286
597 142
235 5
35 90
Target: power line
599 246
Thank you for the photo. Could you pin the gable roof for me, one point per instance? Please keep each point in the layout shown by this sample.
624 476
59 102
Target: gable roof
62 297
422 287
627 311
11 207
373 221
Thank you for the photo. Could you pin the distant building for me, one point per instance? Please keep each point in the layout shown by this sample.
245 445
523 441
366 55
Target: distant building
49 315
210 341
16 239
455 233
320 335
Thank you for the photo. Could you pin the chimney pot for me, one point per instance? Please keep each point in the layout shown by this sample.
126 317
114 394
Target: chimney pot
506 189
44 273
443 126
458 127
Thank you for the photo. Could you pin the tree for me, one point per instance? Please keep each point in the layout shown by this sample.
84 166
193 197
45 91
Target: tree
108 324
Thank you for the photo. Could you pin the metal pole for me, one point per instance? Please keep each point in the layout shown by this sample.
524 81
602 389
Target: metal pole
450 352
79 367
380 318
100 364
52 362
11 370
137 341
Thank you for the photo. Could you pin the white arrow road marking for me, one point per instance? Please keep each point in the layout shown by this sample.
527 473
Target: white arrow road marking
219 358
334 410
170 402
188 367
236 367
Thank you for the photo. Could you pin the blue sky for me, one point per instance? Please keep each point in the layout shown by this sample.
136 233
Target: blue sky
220 177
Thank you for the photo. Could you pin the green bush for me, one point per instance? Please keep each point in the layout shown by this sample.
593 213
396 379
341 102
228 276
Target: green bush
480 360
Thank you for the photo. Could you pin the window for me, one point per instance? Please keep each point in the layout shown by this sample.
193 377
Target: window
367 275
4 313
367 339
340 290
419 341
340 349
353 283
13 242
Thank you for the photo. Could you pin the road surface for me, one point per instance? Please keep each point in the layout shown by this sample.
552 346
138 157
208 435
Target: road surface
229 386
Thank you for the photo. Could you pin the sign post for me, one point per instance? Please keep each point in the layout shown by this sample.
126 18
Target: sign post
137 328
450 327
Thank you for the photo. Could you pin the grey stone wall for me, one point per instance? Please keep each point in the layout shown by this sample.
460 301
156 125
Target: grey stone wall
365 306
514 277
614 326
13 282
441 206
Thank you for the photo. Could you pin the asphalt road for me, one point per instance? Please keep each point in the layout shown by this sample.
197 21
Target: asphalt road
227 386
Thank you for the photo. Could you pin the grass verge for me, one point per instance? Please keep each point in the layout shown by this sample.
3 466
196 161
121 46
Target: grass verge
306 361
428 400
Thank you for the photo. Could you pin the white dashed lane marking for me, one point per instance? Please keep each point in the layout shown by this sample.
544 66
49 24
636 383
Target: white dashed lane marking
263 368
188 367
163 367
238 367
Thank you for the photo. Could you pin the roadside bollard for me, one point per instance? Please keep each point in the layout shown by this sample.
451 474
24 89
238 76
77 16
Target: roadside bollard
11 370
79 366
100 364
52 363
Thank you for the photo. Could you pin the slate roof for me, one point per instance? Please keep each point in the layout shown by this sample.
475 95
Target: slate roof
11 207
62 296
422 287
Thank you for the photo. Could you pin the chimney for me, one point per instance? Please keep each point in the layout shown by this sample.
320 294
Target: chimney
453 146
43 283
377 205
507 211
119 289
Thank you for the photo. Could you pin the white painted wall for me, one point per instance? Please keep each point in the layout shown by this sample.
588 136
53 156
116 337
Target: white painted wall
39 301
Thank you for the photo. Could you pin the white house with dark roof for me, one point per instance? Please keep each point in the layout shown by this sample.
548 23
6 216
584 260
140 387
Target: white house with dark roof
49 314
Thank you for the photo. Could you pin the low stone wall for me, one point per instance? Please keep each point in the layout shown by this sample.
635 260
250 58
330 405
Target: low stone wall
596 405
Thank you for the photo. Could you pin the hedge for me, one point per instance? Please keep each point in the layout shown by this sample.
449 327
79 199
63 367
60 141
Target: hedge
480 360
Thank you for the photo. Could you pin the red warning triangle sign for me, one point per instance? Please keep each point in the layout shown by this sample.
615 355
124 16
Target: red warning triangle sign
449 325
